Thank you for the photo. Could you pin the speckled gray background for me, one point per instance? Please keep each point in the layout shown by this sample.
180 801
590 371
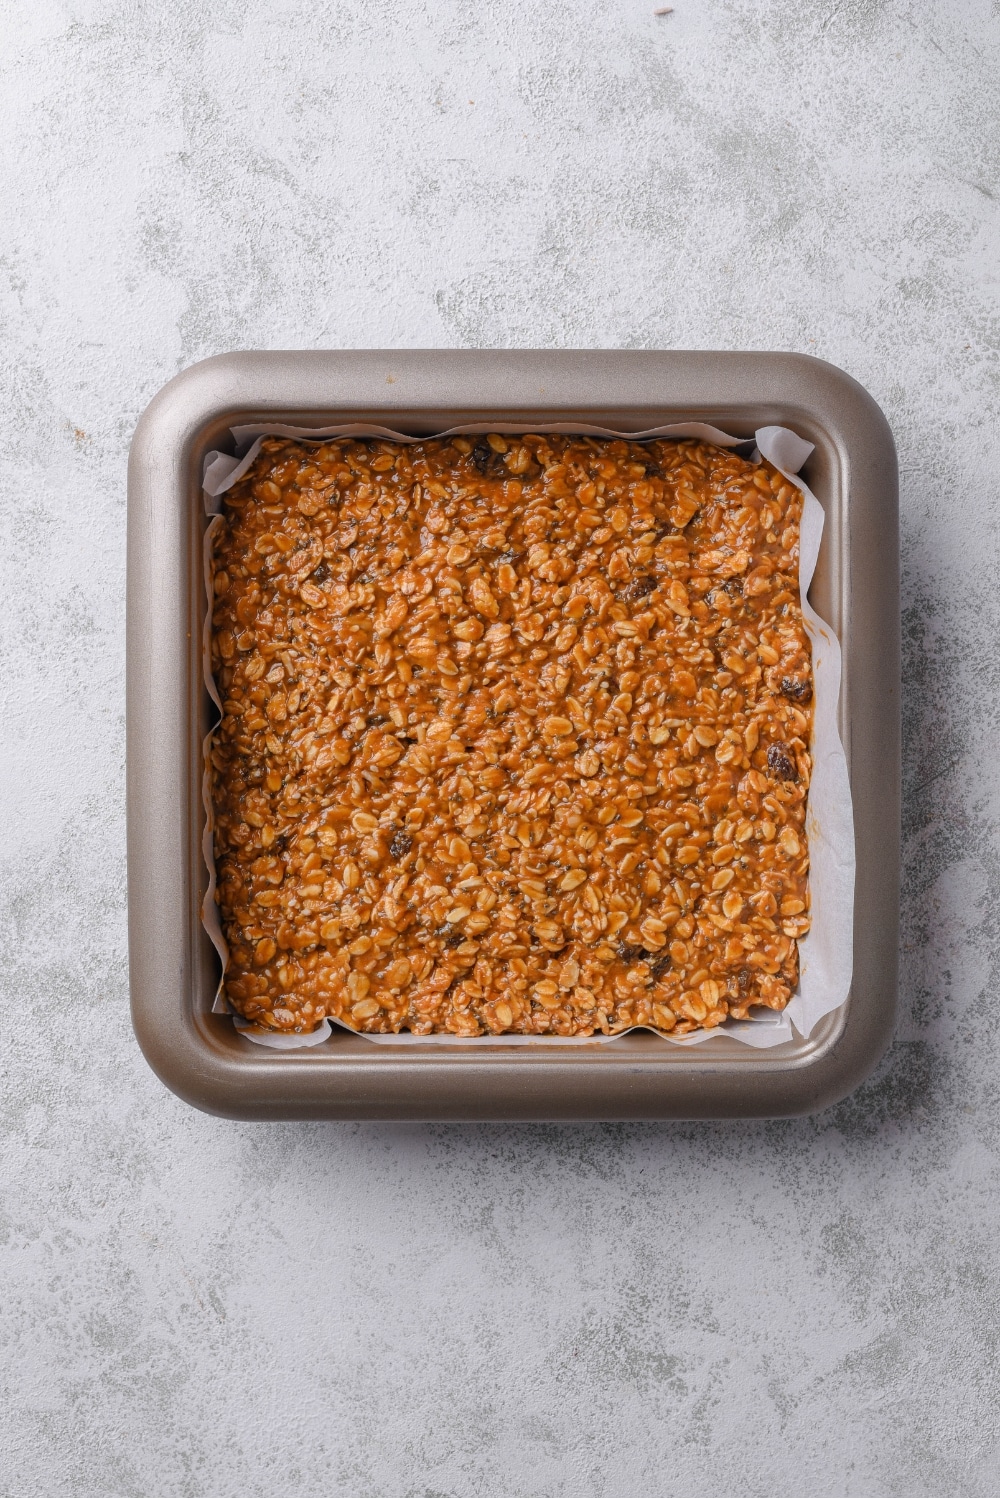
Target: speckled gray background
191 1306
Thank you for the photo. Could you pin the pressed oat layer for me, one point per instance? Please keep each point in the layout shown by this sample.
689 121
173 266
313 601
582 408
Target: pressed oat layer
515 736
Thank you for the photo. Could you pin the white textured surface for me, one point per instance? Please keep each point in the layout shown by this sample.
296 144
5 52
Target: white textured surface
195 1307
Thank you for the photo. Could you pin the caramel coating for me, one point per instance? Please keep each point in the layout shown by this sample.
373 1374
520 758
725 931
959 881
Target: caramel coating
515 735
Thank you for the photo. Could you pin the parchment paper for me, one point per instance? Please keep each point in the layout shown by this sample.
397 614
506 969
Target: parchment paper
825 953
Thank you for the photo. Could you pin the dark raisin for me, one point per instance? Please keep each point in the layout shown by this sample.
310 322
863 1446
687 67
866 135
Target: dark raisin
780 763
508 556
401 845
481 455
796 688
734 588
660 965
321 573
744 979
629 953
640 587
452 940
375 719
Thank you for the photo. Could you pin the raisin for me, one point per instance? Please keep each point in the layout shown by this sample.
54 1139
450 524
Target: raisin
734 588
640 587
629 953
660 965
401 845
799 689
482 453
780 763
321 573
744 979
375 719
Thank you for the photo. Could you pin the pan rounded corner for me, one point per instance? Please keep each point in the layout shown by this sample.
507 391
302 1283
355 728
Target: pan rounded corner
842 396
844 1065
190 1057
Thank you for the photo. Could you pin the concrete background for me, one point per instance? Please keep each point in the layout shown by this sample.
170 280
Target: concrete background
196 1307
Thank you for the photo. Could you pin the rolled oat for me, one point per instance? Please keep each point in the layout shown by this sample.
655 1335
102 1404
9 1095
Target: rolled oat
515 736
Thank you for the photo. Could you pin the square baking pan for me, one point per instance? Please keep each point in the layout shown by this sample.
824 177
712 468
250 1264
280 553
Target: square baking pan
174 970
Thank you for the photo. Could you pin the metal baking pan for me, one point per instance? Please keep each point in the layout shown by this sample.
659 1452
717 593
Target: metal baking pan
173 967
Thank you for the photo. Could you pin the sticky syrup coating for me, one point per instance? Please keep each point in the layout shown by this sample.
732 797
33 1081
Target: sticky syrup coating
515 736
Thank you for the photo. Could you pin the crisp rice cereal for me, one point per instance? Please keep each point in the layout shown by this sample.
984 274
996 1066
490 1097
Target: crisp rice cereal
515 736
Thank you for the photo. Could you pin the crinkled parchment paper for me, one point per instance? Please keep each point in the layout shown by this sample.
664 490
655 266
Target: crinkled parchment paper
826 952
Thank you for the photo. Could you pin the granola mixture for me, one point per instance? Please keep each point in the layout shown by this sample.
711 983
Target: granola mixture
515 736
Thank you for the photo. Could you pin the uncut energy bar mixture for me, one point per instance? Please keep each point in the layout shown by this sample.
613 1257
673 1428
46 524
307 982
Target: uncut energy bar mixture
515 735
